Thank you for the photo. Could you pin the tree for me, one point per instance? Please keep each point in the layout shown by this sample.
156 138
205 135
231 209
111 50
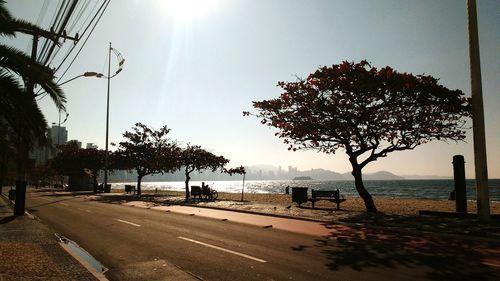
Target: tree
147 151
195 158
72 160
367 112
94 161
18 107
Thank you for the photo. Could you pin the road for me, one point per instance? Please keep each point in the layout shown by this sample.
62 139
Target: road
140 244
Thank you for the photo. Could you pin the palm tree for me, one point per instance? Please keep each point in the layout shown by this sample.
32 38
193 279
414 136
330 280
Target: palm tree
19 111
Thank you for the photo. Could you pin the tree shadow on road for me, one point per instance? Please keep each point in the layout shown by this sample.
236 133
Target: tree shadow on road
362 248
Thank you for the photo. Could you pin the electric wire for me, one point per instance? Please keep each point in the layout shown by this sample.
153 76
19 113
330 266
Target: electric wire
106 3
101 10
52 27
64 22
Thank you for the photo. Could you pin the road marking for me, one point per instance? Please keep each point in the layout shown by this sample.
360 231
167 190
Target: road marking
131 223
223 249
64 204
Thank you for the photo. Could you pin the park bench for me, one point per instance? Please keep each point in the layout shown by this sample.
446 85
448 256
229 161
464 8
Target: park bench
330 195
196 191
206 192
130 188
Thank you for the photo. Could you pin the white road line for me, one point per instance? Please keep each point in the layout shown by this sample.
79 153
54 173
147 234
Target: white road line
222 249
64 204
127 222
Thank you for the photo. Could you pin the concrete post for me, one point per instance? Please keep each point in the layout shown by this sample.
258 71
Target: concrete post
20 198
459 177
480 160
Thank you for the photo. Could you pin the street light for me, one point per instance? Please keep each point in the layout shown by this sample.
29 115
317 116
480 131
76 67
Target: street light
86 74
121 61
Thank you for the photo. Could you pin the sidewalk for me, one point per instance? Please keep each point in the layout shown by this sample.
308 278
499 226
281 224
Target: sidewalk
30 251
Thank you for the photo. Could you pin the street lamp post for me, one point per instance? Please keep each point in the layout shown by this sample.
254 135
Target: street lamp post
120 67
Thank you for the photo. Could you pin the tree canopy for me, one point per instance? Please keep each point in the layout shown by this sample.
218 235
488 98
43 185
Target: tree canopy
195 158
147 151
365 111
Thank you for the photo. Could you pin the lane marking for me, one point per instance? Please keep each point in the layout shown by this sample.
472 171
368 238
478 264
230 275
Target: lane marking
223 249
127 222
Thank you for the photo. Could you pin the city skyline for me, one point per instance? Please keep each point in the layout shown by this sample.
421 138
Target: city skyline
196 72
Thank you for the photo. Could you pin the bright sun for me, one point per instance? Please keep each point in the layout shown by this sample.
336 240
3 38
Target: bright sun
187 10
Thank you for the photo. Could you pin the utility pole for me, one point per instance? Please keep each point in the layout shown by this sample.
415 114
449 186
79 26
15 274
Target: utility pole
480 158
22 149
107 122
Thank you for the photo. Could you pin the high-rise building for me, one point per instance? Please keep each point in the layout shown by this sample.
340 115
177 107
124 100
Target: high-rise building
59 135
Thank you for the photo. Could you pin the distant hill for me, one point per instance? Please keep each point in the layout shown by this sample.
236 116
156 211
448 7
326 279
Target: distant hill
382 175
270 172
321 174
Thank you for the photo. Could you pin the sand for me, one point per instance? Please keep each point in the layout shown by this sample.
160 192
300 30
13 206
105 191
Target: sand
387 205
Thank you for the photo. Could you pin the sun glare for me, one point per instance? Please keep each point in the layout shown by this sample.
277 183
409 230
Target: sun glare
187 10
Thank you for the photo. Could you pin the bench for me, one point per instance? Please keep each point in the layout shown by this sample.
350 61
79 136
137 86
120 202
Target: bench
330 195
196 191
130 188
206 192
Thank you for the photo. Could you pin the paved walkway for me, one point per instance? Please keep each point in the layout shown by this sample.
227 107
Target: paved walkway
30 251
287 224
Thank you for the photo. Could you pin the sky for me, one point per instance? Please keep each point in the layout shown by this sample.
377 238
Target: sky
195 65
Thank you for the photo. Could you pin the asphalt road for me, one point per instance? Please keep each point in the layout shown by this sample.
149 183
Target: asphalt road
141 244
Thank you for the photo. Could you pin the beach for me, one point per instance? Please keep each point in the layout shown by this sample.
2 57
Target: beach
386 205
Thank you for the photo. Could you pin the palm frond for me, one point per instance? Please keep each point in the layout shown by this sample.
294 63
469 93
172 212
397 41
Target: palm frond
18 62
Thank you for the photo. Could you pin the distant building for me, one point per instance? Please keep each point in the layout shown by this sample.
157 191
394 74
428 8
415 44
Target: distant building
91 145
58 135
78 143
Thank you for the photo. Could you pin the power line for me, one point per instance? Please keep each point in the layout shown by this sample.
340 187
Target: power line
86 39
99 15
61 30
55 18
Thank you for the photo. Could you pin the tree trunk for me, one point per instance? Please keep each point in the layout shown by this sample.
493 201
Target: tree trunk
187 183
22 155
360 187
139 179
95 183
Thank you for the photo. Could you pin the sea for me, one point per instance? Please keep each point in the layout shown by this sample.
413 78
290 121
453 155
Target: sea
425 189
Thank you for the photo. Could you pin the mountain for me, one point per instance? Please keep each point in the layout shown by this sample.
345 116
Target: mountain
381 175
321 174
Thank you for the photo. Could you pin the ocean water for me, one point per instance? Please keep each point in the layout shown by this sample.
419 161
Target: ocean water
429 189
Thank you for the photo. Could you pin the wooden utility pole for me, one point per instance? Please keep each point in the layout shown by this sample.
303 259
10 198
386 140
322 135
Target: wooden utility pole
480 160
22 148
